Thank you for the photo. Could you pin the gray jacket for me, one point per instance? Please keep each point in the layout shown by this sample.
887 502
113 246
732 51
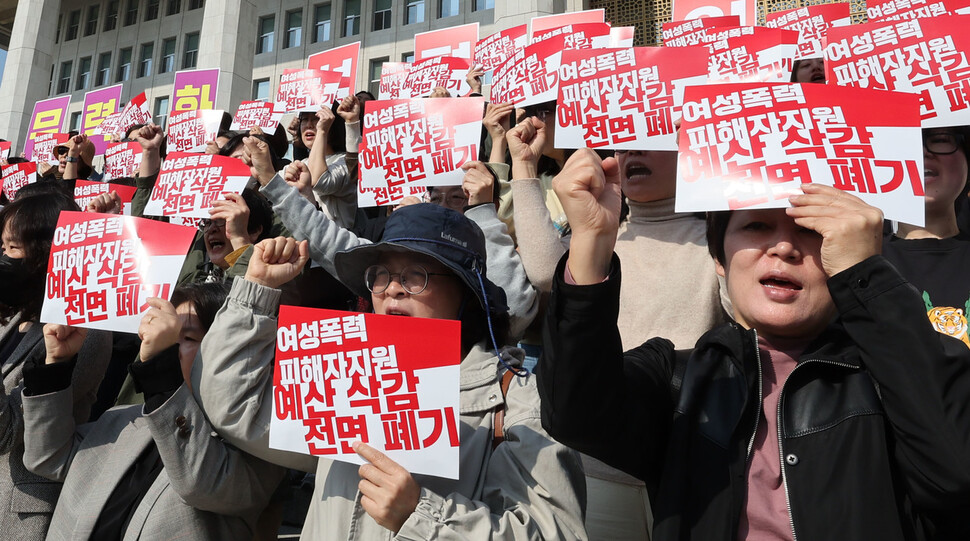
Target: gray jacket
206 490
529 487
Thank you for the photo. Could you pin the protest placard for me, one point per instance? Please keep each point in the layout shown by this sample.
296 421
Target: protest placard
751 145
495 49
265 114
578 36
87 190
812 24
531 76
686 10
446 71
899 10
188 183
418 142
622 36
389 195
342 60
342 377
455 41
624 98
16 176
44 145
189 131
5 149
307 89
48 117
99 105
751 54
122 159
195 89
924 56
540 24
685 33
135 112
103 268
393 76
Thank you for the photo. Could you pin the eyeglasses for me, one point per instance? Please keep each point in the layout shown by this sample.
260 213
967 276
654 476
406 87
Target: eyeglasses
413 278
942 143
206 223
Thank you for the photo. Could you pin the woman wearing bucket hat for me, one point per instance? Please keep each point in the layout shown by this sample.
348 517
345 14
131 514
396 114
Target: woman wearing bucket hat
430 263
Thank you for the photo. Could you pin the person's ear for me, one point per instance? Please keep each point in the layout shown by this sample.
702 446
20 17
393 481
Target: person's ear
719 268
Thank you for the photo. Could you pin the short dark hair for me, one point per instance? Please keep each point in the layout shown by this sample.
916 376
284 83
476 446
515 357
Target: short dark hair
260 213
206 298
717 222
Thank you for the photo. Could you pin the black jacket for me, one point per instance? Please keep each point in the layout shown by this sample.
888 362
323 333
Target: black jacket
874 422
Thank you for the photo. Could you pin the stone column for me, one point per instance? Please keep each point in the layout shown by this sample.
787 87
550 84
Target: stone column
228 42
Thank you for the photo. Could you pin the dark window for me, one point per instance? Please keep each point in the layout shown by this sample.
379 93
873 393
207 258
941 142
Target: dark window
351 18
131 13
124 65
161 111
111 17
174 6
145 60
57 30
294 28
261 89
414 13
83 73
104 70
73 22
151 10
167 61
196 4
64 81
190 56
75 123
264 42
448 8
321 23
91 25
382 14
483 4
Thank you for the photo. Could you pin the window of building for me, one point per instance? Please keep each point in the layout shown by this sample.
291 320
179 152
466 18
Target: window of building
75 123
145 60
321 23
264 43
375 75
190 56
167 61
448 8
83 73
64 81
161 111
407 57
91 24
414 13
57 30
111 17
73 22
124 65
196 4
479 5
261 89
131 12
151 10
294 29
104 70
174 6
50 83
382 14
351 18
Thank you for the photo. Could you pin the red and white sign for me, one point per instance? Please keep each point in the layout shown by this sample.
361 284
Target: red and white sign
393 76
136 112
923 56
308 89
16 176
751 54
189 131
5 149
417 142
531 76
456 41
342 60
625 98
685 10
898 10
188 183
429 74
546 22
86 190
342 377
812 24
122 159
492 51
684 33
44 145
622 36
752 145
103 268
265 114
578 36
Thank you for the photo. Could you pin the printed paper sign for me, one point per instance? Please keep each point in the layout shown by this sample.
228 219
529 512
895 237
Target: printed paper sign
418 142
136 112
898 10
389 195
547 22
443 71
456 42
17 176
265 114
685 33
622 36
393 76
625 98
685 10
307 90
342 60
195 89
497 48
752 145
751 54
188 183
98 105
122 159
531 76
85 191
189 131
342 377
5 150
812 24
103 268
48 117
578 36
44 145
923 56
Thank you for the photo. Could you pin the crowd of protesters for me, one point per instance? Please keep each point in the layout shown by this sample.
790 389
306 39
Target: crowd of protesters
756 374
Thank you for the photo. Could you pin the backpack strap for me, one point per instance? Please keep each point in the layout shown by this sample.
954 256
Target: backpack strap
681 356
498 418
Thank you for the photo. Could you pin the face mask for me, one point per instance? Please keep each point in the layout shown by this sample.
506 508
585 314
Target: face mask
15 278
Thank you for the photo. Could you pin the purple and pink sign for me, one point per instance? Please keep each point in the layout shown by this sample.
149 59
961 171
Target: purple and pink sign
48 117
195 89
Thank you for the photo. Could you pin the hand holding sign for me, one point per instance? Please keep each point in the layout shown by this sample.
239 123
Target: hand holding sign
159 329
478 183
62 342
851 230
474 78
526 141
106 203
235 213
388 492
277 261
256 155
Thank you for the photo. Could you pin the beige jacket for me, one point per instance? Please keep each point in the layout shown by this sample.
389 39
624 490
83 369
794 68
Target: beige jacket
529 487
